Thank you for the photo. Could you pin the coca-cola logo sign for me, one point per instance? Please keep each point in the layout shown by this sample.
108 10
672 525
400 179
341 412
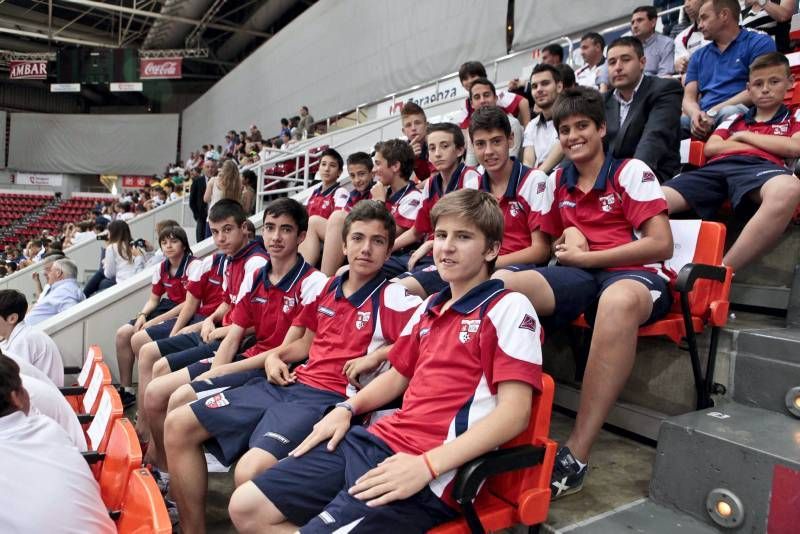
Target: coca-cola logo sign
27 70
159 69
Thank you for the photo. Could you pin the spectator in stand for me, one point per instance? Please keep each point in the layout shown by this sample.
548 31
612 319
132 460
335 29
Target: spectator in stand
747 164
122 259
63 293
415 129
690 38
552 54
33 253
716 77
85 232
541 149
250 186
567 76
293 127
169 189
513 104
642 112
124 211
285 140
773 17
324 200
594 72
482 94
197 193
34 449
21 341
255 134
227 184
284 128
659 50
306 124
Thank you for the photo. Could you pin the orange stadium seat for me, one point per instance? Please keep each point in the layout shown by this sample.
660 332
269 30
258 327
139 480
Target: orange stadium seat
143 509
700 299
74 393
123 455
518 485
97 435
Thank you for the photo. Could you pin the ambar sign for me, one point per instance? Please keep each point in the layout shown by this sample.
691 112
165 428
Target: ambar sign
28 70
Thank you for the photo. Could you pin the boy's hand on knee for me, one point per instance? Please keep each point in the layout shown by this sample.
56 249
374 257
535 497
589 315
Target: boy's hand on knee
397 477
332 427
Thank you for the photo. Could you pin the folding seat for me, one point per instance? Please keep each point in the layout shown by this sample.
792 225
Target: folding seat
143 509
123 455
74 393
97 435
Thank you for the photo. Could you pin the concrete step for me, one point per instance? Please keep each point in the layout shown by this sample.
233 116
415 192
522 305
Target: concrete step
766 367
751 452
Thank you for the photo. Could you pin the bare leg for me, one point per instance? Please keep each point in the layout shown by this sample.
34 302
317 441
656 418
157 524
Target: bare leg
252 463
311 246
675 201
531 284
251 511
183 395
156 399
124 355
622 308
138 340
332 255
779 198
148 356
189 486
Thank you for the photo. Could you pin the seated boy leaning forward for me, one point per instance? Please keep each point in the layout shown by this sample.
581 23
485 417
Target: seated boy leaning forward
359 169
345 332
517 190
326 198
474 347
609 221
747 164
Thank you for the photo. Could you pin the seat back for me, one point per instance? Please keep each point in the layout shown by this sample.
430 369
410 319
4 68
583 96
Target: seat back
123 456
143 509
101 377
529 488
708 297
93 356
109 409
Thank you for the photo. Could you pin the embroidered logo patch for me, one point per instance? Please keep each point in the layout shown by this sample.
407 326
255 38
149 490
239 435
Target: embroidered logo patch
424 331
528 323
277 437
514 208
648 176
607 202
217 401
540 187
326 311
362 319
468 327
288 304
260 300
566 204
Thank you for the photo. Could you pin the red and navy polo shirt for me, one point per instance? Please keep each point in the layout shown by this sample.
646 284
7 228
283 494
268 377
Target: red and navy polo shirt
784 123
519 205
355 197
625 195
323 202
404 205
240 269
205 282
271 308
173 285
455 360
423 168
435 188
507 101
351 327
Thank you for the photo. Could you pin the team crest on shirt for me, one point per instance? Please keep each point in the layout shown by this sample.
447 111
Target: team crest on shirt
288 304
325 203
780 129
648 176
540 187
514 208
362 319
528 323
468 327
217 401
607 202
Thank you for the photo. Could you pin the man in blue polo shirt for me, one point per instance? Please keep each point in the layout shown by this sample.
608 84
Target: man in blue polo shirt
716 78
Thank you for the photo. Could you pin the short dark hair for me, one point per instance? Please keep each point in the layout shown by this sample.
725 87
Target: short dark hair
483 81
567 75
360 158
470 69
285 121
226 208
544 67
371 210
412 108
771 59
554 50
631 41
595 37
10 382
175 232
12 301
250 178
398 151
290 207
579 101
449 127
731 5
489 118
332 153
650 11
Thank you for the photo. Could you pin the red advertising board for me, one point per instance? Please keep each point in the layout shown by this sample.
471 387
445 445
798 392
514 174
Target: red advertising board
136 182
159 69
27 70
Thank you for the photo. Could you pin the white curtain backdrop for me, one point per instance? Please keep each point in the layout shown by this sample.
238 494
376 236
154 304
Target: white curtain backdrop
92 144
341 53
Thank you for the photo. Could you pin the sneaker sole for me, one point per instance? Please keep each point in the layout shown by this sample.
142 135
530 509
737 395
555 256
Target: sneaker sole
570 491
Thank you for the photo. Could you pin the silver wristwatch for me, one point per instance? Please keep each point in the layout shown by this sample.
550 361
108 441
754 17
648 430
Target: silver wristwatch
346 405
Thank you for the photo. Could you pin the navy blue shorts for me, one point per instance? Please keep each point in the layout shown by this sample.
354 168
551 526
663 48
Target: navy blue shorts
261 415
164 305
210 386
178 343
312 491
183 358
198 368
707 188
162 330
427 276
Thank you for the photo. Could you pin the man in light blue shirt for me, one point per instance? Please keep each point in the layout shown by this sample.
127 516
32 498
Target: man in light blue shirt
658 48
63 292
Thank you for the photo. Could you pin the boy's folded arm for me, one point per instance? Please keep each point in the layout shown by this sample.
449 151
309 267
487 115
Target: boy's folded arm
784 147
716 145
230 344
655 245
537 253
508 419
296 350
384 389
406 239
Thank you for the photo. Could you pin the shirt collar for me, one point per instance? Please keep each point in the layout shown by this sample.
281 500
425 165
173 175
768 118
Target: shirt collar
358 298
513 180
621 100
781 115
473 299
248 249
740 36
440 188
569 176
324 193
18 330
288 281
395 196
12 420
181 271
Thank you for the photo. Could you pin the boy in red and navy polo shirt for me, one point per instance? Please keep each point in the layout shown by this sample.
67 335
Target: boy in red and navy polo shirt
511 103
747 164
467 367
359 168
609 221
345 332
414 124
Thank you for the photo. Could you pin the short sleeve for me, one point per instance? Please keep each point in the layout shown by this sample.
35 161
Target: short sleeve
642 197
157 284
340 198
405 351
692 70
242 314
725 128
407 209
398 307
533 192
251 267
308 317
527 137
549 217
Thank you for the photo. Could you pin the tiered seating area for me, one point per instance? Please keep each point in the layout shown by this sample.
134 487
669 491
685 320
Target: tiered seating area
15 208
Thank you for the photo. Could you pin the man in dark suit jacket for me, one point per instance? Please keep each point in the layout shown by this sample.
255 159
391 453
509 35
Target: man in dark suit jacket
642 112
196 203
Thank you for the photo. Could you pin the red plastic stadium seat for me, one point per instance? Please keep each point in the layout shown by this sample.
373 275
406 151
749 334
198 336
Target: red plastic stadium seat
697 156
518 485
99 431
74 393
143 509
123 456
700 300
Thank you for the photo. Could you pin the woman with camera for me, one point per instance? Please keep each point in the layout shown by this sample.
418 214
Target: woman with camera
123 257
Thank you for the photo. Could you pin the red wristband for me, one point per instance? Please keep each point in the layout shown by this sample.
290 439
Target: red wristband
428 463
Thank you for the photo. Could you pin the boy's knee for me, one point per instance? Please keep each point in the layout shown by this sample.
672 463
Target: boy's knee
183 395
619 302
250 510
253 463
161 367
179 427
124 331
149 353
